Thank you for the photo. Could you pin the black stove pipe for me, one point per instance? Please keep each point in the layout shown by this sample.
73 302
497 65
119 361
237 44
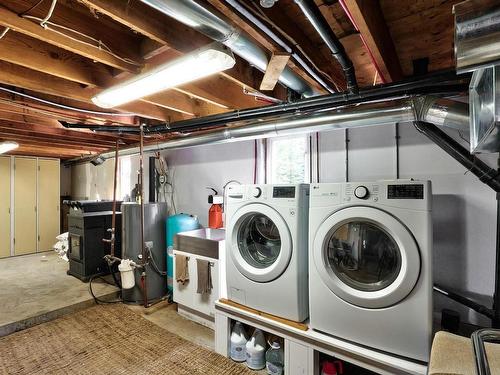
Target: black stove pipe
320 24
490 177
446 83
480 169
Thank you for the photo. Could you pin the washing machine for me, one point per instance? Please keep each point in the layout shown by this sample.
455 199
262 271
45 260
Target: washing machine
370 276
266 242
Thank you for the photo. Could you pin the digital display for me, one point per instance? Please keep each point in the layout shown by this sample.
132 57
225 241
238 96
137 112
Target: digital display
284 192
405 191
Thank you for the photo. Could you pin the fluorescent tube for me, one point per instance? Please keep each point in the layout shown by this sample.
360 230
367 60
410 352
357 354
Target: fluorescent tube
200 63
8 146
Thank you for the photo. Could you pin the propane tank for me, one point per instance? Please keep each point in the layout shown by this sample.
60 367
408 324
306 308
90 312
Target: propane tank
215 213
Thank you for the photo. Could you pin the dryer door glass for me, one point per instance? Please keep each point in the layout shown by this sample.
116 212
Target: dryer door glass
363 256
259 240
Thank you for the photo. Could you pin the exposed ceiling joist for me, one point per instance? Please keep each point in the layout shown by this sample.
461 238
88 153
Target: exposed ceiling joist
33 30
370 21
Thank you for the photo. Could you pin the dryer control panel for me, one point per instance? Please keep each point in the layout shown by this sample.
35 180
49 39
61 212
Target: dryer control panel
398 193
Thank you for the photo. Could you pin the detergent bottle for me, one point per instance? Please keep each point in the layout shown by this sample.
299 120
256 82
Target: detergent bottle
256 351
238 343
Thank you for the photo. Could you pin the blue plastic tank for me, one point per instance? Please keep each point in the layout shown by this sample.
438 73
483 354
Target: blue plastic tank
176 224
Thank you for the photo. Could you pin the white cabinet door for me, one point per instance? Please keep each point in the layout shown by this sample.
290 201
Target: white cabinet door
205 303
184 293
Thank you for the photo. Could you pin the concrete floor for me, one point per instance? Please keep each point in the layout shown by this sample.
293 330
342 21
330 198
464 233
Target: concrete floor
35 288
165 315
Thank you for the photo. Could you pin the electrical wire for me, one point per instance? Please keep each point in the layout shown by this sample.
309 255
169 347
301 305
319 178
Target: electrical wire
43 22
154 265
5 31
99 44
31 8
98 113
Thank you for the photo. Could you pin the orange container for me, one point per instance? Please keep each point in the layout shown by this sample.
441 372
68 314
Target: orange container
215 216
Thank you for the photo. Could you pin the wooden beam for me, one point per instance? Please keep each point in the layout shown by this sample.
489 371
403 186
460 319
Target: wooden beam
40 82
24 26
274 69
369 19
36 139
43 57
15 124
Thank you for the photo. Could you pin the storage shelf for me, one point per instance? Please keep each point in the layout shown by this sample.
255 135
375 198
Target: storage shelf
308 342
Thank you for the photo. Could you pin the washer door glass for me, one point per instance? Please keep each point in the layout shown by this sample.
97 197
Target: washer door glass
366 257
363 255
259 240
260 244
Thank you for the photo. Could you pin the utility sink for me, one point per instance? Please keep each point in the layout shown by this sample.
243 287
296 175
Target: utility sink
204 242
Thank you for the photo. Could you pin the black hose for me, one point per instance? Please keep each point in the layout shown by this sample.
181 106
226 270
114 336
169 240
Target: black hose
98 300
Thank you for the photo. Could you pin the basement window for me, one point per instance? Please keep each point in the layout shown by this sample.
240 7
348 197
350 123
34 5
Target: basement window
288 160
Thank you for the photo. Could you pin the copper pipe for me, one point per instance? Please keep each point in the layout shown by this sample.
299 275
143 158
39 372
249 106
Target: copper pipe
143 249
113 219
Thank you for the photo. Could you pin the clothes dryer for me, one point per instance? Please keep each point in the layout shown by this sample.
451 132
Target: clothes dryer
370 274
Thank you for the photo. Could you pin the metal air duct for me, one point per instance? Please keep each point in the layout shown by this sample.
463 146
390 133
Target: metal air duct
445 113
214 25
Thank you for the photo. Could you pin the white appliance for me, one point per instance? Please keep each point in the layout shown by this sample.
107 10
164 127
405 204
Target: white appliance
266 242
370 276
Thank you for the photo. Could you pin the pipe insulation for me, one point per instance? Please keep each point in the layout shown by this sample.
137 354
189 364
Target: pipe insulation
214 25
345 117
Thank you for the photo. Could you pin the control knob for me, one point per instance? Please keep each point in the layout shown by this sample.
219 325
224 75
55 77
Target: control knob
361 192
256 192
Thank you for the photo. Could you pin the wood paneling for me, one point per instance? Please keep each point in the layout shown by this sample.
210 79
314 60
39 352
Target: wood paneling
4 206
25 206
48 203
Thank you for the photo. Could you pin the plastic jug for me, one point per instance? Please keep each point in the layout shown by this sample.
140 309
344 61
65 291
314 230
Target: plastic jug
274 359
332 368
256 351
238 343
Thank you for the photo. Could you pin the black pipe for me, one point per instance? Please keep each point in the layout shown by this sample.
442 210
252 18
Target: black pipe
465 301
496 296
320 24
486 174
117 128
447 83
152 179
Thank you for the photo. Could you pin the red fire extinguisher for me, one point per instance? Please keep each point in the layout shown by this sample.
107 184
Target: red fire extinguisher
215 213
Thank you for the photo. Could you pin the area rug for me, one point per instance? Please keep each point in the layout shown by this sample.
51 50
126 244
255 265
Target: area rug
107 339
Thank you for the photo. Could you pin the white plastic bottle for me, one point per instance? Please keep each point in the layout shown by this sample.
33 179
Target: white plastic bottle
239 340
256 351
274 359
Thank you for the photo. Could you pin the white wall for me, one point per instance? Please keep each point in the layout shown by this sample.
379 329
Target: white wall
464 209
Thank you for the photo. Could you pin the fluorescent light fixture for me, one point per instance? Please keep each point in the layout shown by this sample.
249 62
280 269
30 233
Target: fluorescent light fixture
200 63
8 146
